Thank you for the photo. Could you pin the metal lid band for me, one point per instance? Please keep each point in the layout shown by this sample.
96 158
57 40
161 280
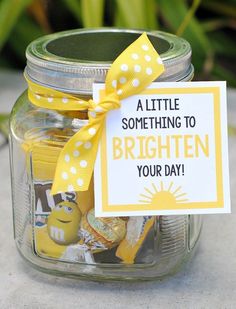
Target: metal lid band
73 60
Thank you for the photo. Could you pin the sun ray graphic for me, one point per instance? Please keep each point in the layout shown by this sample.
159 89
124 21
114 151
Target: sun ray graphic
160 197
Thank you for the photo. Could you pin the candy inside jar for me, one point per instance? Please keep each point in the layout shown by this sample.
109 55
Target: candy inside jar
65 224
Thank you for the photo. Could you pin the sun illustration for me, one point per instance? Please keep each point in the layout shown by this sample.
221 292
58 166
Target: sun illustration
163 198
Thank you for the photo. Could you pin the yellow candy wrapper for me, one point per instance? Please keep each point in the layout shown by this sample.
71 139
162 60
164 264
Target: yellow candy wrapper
56 218
137 230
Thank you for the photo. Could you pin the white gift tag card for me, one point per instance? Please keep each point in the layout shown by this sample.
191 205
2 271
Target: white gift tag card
164 152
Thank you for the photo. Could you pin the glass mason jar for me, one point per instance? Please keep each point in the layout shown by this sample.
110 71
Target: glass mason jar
95 248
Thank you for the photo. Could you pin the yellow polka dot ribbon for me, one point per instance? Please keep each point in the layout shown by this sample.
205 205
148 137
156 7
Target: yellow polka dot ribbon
134 69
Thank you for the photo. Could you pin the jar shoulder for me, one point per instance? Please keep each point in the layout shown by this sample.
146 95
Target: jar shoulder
26 117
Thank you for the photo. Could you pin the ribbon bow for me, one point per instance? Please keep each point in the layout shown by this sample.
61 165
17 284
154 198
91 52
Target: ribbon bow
134 69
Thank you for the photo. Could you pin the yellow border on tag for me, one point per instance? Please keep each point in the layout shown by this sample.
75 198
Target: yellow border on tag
218 157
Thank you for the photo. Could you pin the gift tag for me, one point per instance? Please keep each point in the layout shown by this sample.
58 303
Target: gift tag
164 152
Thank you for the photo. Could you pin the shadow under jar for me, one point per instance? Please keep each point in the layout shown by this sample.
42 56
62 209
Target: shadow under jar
94 248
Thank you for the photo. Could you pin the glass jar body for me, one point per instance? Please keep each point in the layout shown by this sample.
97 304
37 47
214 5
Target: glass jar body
36 137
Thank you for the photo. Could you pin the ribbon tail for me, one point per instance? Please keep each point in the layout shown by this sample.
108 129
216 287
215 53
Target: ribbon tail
75 164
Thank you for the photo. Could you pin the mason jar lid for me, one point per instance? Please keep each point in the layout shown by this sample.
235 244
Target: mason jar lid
71 61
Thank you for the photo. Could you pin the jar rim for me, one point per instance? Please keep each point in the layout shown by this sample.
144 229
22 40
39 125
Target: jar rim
73 60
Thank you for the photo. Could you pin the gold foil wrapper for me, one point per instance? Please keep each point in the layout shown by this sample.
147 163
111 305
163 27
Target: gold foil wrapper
101 233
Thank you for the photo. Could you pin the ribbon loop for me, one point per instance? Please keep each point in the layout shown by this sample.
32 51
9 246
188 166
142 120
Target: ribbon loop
135 68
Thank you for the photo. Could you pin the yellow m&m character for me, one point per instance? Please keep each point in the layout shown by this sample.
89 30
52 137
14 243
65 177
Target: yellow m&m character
63 223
